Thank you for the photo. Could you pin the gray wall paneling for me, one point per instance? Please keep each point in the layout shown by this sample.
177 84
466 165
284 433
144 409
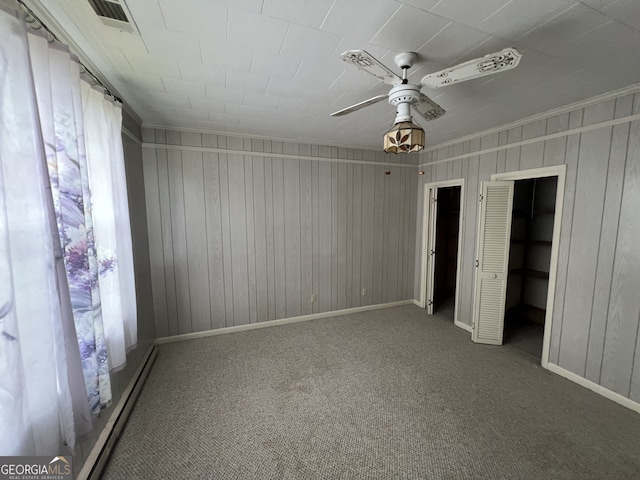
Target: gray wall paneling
607 241
620 363
166 237
213 220
242 238
583 251
368 232
157 264
195 229
596 306
356 240
306 236
179 236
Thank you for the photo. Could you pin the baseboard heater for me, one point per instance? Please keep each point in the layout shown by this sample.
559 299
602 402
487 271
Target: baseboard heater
97 458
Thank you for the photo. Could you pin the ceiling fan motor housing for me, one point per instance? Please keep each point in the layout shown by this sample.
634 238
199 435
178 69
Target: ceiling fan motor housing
402 97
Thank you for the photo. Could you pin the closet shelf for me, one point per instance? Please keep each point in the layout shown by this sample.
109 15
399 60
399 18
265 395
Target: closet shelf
528 213
533 242
528 272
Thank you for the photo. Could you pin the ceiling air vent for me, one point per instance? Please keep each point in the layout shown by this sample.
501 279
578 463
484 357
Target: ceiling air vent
113 13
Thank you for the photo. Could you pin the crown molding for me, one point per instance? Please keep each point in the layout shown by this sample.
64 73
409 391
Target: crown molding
304 141
543 138
630 89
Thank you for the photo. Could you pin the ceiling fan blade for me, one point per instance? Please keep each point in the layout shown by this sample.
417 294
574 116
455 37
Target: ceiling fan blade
427 108
367 63
360 105
479 67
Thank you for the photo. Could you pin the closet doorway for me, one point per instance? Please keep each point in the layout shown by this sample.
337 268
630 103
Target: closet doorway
532 217
443 221
517 256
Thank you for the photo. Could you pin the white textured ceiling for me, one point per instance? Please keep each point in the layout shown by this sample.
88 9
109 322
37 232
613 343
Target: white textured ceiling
273 67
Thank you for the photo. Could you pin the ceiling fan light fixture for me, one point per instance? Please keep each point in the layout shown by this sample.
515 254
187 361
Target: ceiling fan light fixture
404 137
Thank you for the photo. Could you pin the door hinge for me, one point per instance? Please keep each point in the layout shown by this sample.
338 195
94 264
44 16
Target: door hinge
477 263
432 252
481 197
429 302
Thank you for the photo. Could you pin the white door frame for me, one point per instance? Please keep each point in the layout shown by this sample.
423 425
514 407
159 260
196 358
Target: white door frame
560 172
459 182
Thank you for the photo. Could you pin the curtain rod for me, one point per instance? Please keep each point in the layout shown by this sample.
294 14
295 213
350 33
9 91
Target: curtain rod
32 19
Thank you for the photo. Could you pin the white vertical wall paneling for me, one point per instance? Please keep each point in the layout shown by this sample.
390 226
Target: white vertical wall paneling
341 228
402 233
386 233
197 250
583 254
466 267
279 234
368 215
152 201
571 161
555 149
413 228
441 170
621 363
325 263
315 202
238 233
227 247
607 244
215 254
167 238
418 237
378 243
488 161
251 236
470 233
502 154
356 298
291 181
260 232
390 261
269 232
334 233
349 207
306 236
242 238
512 162
531 156
179 234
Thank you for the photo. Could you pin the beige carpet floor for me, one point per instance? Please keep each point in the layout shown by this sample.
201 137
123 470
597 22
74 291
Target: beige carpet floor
379 395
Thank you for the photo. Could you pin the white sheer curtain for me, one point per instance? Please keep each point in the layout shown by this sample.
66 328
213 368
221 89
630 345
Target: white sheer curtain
111 226
36 405
59 247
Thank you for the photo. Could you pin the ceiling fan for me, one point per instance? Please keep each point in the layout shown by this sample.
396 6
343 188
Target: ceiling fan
405 136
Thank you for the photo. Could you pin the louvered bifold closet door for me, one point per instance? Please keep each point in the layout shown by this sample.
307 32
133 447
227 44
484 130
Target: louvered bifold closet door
492 262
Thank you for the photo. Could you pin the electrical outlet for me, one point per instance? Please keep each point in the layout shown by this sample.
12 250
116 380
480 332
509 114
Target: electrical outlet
364 292
314 298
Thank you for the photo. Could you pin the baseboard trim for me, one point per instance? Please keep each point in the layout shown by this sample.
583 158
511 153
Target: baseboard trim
417 303
282 321
463 326
97 458
594 387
